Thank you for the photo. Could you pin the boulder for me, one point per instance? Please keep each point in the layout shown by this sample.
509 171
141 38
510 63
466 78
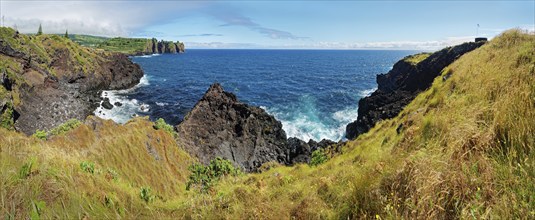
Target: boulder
106 103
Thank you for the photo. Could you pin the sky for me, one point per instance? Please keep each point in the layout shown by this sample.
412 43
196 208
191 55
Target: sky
419 25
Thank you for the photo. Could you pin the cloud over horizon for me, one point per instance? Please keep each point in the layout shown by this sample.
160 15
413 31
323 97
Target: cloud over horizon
234 18
272 25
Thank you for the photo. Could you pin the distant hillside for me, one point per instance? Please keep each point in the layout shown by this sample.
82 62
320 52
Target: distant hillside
129 46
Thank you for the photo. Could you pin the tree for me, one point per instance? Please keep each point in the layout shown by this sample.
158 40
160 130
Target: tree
40 31
67 33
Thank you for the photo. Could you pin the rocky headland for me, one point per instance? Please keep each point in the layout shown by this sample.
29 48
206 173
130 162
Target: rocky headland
397 88
47 79
158 47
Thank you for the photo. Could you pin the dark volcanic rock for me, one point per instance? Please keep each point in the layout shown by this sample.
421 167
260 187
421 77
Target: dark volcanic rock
401 85
300 151
221 126
45 100
124 74
106 103
118 104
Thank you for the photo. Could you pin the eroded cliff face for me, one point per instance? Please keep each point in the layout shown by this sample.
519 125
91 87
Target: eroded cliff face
221 126
49 79
401 85
154 46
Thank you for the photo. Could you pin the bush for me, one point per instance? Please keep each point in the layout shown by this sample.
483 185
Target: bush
206 176
161 125
88 167
61 129
6 118
318 157
41 134
146 194
67 126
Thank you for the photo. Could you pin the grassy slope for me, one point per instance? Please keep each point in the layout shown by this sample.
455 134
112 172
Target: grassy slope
463 148
42 49
87 40
125 45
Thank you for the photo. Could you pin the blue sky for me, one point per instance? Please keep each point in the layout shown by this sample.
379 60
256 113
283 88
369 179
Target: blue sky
279 24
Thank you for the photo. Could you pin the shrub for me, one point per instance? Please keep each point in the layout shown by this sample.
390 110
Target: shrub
41 134
146 194
88 167
161 125
6 118
318 157
67 126
206 176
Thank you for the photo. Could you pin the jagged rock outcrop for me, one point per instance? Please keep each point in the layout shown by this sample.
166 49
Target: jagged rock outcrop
221 126
401 85
153 46
47 89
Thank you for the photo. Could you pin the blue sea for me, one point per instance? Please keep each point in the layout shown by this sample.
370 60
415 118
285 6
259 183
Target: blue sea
314 93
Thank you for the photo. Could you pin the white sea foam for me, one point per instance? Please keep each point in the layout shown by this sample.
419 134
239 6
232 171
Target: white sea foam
305 121
162 104
149 56
129 107
367 92
307 125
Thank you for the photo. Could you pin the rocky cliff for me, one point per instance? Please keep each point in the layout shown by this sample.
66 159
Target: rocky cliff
49 79
402 84
153 46
221 126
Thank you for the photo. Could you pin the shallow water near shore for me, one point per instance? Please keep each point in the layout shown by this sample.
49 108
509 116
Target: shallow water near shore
314 93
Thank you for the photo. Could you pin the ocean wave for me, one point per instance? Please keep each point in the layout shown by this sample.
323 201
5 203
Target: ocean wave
128 107
149 56
367 92
305 122
162 104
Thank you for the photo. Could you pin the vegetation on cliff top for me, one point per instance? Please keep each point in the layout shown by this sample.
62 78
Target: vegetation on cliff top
41 51
129 46
461 149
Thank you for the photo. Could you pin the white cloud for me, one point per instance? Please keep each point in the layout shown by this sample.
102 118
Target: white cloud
108 18
220 45
387 45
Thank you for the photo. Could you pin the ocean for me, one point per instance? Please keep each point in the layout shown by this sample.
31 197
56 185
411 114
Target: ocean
314 93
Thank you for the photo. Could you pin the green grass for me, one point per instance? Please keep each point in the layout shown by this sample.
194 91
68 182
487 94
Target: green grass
87 40
416 58
124 45
465 150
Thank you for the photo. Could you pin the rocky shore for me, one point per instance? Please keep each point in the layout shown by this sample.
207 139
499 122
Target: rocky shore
401 85
49 79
